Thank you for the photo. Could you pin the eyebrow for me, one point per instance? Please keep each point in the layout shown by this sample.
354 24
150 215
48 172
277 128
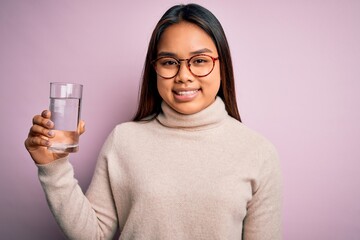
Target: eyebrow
204 50
171 54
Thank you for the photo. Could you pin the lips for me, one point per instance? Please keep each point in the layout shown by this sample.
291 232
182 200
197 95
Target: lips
186 93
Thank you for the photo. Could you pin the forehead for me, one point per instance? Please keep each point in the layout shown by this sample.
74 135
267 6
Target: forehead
183 38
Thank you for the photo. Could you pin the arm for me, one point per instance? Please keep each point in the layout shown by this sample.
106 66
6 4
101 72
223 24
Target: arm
263 219
78 216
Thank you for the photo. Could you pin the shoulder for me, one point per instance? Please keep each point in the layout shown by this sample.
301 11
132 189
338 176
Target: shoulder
125 135
251 139
262 153
240 130
130 127
131 130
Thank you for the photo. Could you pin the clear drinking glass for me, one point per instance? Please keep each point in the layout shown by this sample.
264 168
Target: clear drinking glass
65 106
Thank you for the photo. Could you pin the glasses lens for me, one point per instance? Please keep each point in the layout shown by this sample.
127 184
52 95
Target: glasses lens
166 67
201 65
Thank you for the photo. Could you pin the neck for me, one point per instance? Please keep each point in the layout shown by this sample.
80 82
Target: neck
209 117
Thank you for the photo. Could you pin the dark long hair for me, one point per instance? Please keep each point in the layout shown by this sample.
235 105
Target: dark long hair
150 100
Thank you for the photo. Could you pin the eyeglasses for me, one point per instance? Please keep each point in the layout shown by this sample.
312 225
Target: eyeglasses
199 65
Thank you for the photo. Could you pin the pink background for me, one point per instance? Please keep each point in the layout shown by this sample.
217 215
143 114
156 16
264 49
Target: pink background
297 66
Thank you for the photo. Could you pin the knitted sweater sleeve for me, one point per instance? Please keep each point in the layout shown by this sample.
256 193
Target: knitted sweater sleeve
263 218
90 216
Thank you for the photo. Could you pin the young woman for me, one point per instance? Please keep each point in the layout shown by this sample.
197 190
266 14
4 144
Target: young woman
185 167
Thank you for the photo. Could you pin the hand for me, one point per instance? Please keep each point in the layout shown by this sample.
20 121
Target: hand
39 139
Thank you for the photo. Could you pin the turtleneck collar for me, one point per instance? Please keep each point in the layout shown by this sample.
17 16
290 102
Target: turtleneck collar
209 117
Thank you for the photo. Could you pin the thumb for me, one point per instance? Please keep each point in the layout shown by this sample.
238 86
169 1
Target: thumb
81 127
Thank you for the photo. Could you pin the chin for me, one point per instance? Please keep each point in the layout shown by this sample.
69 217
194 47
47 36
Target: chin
187 109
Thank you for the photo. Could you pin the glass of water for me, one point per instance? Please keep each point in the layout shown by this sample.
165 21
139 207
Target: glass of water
65 106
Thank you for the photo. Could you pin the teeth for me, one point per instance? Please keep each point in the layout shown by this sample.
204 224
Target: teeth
187 93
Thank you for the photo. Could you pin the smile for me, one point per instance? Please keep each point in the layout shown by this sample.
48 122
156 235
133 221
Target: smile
186 93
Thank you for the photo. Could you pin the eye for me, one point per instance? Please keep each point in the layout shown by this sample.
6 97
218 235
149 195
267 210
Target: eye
167 62
201 60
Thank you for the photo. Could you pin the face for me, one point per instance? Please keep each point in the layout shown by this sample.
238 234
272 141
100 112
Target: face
185 92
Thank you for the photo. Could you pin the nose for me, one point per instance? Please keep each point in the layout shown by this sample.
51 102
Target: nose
184 73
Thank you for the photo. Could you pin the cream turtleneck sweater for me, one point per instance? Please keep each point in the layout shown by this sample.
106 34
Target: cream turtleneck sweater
200 176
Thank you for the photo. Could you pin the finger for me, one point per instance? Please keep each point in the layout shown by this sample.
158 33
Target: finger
46 114
45 122
81 127
37 141
36 130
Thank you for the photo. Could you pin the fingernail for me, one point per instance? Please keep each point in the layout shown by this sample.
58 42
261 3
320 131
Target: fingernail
51 133
49 123
48 143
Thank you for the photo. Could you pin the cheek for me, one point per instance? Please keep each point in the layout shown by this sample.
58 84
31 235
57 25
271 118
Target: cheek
159 87
162 88
214 81
216 86
218 71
